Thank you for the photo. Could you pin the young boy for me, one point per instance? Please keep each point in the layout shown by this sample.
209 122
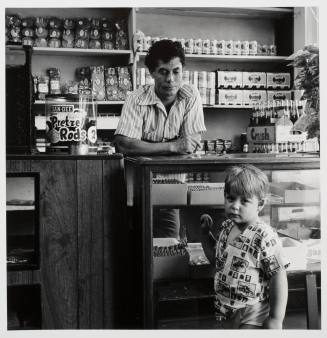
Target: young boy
250 281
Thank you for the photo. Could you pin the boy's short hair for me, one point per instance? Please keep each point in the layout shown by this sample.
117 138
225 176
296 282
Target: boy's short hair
164 50
246 180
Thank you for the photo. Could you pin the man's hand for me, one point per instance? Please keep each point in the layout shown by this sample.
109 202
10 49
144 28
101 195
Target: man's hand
187 144
273 323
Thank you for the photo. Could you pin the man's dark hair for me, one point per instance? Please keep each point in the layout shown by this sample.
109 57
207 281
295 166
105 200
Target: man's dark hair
164 50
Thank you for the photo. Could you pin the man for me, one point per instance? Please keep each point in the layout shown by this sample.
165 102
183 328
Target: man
162 119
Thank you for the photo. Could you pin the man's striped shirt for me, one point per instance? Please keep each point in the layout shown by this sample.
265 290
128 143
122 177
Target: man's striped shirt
144 116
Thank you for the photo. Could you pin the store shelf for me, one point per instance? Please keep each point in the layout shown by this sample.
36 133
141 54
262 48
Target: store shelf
228 106
19 207
232 58
239 12
72 51
104 103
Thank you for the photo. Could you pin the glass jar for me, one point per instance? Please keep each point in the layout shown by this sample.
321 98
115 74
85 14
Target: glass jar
71 124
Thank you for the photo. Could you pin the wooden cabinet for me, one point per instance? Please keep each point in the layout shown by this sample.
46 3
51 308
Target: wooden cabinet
81 226
183 298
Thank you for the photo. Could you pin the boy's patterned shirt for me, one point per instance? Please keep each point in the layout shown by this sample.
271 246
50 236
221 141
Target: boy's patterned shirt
244 267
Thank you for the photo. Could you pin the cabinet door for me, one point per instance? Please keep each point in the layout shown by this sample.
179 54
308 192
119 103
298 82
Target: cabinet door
295 213
58 243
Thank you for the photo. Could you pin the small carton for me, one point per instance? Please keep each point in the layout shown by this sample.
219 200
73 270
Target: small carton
254 80
226 79
251 97
230 97
205 193
295 192
278 95
279 80
170 259
170 193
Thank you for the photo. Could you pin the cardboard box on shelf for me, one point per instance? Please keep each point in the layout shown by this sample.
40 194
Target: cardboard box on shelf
169 193
295 192
205 193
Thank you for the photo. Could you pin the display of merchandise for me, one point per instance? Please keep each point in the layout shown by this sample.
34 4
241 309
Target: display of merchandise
53 32
273 128
142 43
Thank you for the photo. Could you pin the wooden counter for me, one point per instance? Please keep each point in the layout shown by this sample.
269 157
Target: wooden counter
81 228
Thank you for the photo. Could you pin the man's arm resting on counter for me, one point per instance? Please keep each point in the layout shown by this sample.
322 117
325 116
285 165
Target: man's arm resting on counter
278 293
131 146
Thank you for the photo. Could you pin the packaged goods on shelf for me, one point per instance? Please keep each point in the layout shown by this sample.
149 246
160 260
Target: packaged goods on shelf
107 34
278 95
84 80
205 193
206 46
138 37
121 35
170 258
278 80
124 82
229 47
230 97
197 46
54 80
169 192
97 82
253 47
237 47
251 97
227 79
245 47
111 83
254 80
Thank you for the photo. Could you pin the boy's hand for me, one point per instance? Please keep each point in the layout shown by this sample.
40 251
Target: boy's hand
273 323
206 224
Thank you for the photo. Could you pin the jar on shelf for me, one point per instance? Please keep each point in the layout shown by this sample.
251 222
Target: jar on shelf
42 87
54 82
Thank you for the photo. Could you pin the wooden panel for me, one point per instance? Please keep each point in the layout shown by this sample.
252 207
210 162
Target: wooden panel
312 302
117 255
90 244
58 243
23 277
18 166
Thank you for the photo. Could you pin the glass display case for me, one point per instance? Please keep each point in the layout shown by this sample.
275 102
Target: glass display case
177 278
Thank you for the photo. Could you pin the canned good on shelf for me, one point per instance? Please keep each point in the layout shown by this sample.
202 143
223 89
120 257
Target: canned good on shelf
206 46
237 47
229 48
198 46
189 46
253 47
213 47
245 47
221 47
